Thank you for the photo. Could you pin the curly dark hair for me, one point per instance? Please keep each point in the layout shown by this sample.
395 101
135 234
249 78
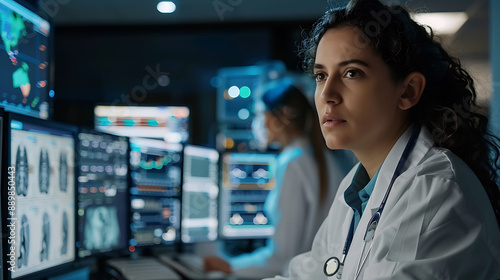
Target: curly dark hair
448 106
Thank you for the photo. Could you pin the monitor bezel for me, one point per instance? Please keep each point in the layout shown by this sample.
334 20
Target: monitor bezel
8 117
118 251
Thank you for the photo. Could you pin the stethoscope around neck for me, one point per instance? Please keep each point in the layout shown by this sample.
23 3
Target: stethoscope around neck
333 266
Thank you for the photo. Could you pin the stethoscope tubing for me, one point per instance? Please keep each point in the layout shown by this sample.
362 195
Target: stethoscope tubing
373 223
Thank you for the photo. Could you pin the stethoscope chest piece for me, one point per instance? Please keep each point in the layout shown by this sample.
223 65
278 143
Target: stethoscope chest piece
332 266
372 226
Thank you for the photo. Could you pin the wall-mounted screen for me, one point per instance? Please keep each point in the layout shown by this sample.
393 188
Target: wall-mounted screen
25 46
169 123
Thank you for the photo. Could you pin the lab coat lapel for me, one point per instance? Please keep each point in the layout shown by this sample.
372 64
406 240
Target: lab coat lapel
356 253
422 146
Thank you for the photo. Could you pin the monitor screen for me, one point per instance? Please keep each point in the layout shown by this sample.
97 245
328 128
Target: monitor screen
155 168
246 181
42 154
169 123
24 61
103 199
200 192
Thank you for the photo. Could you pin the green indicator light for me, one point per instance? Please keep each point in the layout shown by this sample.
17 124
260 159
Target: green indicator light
103 121
245 92
152 122
128 122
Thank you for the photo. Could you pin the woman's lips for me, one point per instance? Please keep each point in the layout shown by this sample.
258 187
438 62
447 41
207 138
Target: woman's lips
331 120
332 123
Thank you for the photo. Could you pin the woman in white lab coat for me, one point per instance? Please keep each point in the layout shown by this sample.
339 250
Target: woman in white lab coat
392 95
306 182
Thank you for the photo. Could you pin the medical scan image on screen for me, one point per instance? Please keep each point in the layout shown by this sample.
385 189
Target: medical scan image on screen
45 212
200 192
102 193
22 172
24 60
246 181
155 193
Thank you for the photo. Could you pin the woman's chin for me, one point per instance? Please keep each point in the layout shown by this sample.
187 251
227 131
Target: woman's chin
334 144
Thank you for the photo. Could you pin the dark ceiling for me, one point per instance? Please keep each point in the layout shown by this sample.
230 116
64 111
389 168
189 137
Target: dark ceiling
98 12
471 40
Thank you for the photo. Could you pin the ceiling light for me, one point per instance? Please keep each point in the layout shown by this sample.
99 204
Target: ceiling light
166 7
442 23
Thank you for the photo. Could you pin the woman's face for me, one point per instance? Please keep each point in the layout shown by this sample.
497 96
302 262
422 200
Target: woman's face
356 98
273 127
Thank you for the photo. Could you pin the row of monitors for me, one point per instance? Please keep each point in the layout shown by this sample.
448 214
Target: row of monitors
78 193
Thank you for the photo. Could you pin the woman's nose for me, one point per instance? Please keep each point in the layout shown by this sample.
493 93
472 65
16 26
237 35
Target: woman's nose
329 92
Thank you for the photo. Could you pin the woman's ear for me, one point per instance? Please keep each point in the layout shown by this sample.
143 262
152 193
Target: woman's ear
414 85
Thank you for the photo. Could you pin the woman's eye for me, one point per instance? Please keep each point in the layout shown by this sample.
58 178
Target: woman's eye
352 73
319 77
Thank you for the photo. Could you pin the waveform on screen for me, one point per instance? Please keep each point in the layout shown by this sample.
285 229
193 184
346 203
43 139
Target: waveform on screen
159 163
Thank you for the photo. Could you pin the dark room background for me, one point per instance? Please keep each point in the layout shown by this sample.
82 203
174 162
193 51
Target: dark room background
115 64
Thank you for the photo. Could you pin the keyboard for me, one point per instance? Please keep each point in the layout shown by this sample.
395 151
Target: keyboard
144 268
190 266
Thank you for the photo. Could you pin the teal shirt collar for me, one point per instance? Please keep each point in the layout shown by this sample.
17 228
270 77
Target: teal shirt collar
359 192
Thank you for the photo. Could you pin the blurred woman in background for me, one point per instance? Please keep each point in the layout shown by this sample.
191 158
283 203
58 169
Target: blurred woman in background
306 182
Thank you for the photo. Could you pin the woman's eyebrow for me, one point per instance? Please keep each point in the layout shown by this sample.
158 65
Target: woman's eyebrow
354 61
318 66
344 63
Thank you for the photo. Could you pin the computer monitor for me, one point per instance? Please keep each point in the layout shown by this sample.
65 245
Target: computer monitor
43 156
247 179
25 47
200 192
8 188
103 198
169 123
155 202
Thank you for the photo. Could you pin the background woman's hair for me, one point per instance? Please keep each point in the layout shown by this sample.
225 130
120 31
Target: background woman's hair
448 106
301 114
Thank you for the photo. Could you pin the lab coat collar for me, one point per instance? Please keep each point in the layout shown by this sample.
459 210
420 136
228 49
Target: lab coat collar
423 145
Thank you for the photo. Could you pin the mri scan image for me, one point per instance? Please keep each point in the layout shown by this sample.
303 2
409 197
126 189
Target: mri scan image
22 170
44 254
24 244
64 248
101 228
63 172
44 174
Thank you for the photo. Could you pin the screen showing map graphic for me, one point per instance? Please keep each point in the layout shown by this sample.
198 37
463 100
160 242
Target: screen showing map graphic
24 61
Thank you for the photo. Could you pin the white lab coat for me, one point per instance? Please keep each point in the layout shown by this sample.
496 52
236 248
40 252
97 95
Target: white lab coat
437 223
294 204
